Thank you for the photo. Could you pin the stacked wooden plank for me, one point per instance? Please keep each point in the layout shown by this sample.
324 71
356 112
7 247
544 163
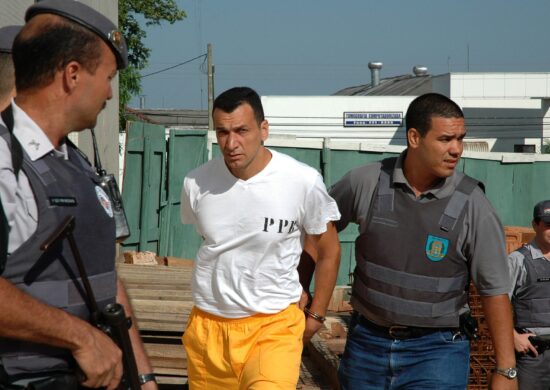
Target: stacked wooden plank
161 300
339 302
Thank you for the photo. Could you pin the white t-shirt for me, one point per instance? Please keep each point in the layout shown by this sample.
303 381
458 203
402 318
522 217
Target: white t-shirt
253 233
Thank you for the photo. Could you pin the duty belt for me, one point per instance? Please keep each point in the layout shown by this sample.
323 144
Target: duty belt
400 332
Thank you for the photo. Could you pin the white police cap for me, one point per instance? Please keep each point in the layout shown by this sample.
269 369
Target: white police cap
88 18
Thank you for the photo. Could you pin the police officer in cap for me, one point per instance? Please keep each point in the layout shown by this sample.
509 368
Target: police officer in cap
530 295
65 59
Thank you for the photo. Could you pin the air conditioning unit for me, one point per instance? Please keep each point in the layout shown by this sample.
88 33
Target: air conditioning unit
476 146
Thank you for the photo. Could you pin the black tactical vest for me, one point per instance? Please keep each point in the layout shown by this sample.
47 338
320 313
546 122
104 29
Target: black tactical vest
532 300
61 188
409 271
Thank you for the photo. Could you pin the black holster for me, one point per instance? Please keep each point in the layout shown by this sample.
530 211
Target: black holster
468 326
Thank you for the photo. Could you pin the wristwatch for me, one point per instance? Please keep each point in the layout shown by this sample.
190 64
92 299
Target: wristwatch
144 378
510 373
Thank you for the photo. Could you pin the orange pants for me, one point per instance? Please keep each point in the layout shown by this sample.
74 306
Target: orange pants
261 352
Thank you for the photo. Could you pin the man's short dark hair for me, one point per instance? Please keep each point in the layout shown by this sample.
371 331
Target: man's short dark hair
229 100
41 51
423 108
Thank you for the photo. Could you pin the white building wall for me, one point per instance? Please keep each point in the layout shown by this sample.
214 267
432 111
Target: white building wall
500 85
323 116
501 110
546 125
507 109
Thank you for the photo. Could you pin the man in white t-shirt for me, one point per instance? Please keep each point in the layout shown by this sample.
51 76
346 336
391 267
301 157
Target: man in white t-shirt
254 208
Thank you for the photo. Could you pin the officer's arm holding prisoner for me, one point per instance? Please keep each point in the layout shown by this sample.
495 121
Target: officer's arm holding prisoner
325 248
26 318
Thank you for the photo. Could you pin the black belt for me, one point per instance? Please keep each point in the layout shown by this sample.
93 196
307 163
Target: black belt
400 332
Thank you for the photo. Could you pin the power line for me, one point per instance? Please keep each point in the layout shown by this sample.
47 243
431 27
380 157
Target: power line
175 66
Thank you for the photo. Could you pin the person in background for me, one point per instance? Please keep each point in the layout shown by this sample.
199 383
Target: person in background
65 58
7 73
254 207
425 230
530 295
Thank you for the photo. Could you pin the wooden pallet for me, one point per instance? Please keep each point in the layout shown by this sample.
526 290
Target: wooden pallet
161 300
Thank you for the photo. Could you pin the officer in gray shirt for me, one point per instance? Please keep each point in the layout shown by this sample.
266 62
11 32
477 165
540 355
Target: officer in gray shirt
530 295
425 230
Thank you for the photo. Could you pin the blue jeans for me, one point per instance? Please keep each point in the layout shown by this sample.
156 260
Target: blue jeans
372 360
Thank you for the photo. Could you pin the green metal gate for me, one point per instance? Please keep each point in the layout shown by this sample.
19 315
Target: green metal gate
153 179
187 150
143 190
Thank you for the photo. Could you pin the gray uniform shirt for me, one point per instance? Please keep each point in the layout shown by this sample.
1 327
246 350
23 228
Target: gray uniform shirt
518 275
481 240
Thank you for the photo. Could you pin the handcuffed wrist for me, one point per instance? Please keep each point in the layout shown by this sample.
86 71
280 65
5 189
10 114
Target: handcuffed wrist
314 315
